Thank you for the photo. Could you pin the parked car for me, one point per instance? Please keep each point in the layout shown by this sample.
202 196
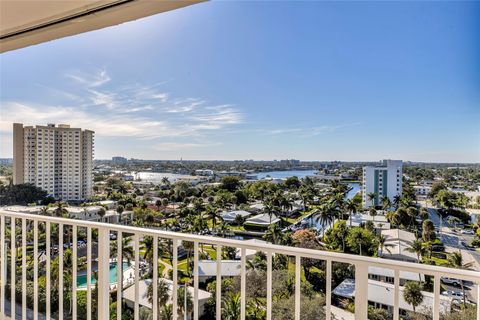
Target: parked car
438 247
466 245
450 281
468 231
453 294
113 236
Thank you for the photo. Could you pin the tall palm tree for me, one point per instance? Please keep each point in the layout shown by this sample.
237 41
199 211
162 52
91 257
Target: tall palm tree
455 260
396 201
371 196
412 294
352 207
372 212
386 203
162 293
324 216
382 245
418 248
128 253
273 234
148 246
60 210
184 300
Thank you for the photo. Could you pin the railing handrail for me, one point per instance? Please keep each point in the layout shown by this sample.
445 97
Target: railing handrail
266 247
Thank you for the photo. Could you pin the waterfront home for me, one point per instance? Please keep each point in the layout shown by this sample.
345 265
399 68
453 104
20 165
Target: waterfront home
232 216
262 220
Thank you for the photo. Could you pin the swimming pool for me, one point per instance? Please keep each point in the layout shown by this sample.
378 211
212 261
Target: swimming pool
112 274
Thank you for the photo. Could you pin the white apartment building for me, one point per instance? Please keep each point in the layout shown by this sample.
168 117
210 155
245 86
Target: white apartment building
384 179
58 159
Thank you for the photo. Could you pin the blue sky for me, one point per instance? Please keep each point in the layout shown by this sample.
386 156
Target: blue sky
263 80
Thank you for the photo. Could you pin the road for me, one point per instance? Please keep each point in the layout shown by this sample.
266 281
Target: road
452 242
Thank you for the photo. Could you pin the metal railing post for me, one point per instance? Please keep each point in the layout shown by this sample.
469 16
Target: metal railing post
103 273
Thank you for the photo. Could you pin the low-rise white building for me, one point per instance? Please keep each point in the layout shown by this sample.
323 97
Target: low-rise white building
207 269
231 216
422 190
129 294
262 220
379 221
396 244
381 295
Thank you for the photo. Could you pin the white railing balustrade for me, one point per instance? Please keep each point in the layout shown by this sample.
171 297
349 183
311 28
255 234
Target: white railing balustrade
15 268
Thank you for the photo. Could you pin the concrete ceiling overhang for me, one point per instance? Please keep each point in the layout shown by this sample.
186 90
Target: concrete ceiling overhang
25 23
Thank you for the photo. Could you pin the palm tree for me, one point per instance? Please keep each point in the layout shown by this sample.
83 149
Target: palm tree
412 294
455 260
386 203
60 210
231 306
273 234
382 245
306 194
214 214
162 293
148 246
371 196
418 248
428 230
223 228
372 212
128 252
324 216
396 201
158 204
44 211
184 299
352 207
166 312
165 181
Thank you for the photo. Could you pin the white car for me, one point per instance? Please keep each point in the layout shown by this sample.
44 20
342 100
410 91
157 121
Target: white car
453 294
451 281
468 231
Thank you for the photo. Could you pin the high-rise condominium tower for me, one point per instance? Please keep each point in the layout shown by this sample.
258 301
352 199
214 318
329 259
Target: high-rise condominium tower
382 180
58 159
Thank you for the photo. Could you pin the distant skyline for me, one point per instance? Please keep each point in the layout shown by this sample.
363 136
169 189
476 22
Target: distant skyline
348 81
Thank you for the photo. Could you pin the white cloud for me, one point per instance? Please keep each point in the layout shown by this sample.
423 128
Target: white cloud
307 131
96 79
132 111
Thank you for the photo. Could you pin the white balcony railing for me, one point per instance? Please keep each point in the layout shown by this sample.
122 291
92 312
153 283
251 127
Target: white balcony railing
29 228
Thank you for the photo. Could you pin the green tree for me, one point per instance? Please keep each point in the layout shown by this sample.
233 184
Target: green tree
231 306
358 239
371 197
412 294
428 231
455 260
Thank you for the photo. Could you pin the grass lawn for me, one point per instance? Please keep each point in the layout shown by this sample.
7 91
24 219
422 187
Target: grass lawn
439 261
